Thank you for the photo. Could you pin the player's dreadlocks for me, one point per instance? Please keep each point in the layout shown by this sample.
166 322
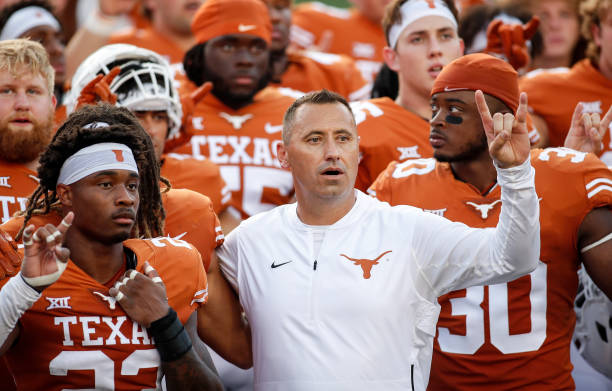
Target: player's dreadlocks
73 135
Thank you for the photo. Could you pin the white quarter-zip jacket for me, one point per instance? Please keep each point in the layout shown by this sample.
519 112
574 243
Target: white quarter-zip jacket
361 313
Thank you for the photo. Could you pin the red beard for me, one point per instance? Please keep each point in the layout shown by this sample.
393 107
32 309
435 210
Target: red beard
23 146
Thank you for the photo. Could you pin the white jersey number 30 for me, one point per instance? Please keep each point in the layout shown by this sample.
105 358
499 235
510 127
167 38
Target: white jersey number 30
499 324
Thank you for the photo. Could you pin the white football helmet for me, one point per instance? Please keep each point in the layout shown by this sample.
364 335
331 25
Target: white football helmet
593 333
145 82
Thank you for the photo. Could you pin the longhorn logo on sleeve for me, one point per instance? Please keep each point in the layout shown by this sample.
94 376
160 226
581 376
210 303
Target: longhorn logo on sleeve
366 264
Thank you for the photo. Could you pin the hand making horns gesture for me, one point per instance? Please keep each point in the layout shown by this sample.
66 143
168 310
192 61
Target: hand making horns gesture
45 258
587 130
506 134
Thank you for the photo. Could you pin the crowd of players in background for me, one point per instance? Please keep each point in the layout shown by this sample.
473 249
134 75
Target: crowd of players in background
216 144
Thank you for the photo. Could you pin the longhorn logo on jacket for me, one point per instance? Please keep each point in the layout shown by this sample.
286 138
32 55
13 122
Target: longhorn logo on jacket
366 264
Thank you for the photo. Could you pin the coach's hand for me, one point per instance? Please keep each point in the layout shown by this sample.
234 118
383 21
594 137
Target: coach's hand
45 259
142 296
506 134
587 130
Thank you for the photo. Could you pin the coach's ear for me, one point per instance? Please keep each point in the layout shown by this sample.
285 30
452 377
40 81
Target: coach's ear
64 194
281 153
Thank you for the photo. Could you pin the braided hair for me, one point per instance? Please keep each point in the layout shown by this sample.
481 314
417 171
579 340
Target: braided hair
73 136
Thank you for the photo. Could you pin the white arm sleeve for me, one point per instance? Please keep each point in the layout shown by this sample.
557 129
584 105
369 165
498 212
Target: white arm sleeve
464 256
16 297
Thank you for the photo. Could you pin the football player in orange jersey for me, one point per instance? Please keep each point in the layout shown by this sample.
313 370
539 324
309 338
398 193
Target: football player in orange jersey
354 32
305 70
27 104
34 19
554 94
238 124
144 85
104 181
421 40
514 335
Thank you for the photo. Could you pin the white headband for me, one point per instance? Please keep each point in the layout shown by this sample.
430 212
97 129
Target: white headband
25 19
97 157
413 10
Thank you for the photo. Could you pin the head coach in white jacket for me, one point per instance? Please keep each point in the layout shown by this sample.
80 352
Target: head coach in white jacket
340 289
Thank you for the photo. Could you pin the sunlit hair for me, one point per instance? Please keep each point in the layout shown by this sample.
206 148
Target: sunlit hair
592 13
321 97
74 135
18 53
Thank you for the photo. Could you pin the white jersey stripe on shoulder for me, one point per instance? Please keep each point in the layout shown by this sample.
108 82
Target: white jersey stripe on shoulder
219 237
598 181
218 228
598 189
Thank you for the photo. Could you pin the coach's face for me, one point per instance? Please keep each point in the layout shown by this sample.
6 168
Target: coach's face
323 151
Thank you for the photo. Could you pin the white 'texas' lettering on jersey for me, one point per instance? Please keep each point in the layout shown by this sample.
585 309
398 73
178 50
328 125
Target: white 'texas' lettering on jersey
4 181
58 302
4 206
483 208
214 147
408 152
106 328
236 120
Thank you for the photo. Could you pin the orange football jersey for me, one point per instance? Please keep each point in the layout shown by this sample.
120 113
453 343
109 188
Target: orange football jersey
76 335
17 183
203 176
60 115
243 144
514 335
311 71
189 217
352 34
554 94
387 132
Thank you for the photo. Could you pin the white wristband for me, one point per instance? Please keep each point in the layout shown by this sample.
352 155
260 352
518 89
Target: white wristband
16 297
105 25
49 278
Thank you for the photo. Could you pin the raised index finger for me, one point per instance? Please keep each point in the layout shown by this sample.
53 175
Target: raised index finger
483 110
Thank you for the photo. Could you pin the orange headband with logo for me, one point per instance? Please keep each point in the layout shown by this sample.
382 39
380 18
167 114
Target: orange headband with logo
484 72
223 17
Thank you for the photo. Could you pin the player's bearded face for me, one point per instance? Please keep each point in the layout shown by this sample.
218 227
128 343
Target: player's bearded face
24 145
